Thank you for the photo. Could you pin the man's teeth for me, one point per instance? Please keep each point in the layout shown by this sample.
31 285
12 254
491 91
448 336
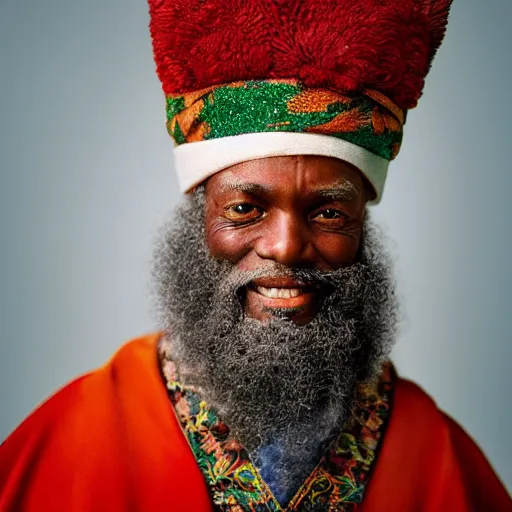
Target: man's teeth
279 293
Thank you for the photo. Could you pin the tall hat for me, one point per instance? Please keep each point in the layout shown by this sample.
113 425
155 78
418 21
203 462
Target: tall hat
247 79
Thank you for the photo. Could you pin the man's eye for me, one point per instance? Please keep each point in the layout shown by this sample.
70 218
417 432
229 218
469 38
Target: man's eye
330 217
243 208
243 212
330 214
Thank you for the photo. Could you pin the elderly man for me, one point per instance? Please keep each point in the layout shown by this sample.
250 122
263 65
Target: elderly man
269 387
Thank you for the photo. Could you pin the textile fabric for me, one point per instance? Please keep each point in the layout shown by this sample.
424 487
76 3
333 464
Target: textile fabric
111 441
337 483
370 122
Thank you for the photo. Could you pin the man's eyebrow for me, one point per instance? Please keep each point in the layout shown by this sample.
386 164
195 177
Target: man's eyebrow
343 190
240 186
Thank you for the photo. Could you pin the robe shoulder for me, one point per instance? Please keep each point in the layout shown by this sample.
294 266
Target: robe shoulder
427 462
109 440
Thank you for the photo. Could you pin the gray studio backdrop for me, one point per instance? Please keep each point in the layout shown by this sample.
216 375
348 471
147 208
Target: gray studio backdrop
86 179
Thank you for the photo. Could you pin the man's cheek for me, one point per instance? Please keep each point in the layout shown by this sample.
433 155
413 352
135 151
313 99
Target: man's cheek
337 251
229 245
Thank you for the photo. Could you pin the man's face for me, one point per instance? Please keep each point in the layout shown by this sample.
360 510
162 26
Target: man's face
263 243
297 211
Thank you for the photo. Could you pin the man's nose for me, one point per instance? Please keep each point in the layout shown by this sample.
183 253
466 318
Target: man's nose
286 240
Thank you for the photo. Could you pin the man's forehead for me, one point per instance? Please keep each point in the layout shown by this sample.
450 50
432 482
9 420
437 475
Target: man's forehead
312 175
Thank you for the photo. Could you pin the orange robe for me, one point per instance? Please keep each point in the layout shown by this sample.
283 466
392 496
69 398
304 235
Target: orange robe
110 441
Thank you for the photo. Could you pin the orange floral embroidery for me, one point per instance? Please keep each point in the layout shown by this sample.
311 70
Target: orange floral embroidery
198 132
191 97
189 117
346 122
369 120
315 100
383 100
383 121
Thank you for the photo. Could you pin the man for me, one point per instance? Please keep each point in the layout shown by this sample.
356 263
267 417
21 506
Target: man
268 387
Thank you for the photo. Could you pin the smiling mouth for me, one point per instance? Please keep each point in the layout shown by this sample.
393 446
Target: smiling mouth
282 293
279 293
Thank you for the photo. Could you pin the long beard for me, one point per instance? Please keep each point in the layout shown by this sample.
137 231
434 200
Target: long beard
276 380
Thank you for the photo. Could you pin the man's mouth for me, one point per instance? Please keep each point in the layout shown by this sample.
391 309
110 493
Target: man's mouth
282 294
279 293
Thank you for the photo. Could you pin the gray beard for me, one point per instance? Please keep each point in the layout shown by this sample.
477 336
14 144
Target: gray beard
276 381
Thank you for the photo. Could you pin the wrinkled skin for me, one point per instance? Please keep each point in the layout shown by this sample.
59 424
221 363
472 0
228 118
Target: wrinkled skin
297 211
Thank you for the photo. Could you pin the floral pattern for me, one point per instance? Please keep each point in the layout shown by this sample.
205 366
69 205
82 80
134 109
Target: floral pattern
337 483
369 120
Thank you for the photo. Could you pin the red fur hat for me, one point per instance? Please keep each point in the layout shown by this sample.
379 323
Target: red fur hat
346 45
247 79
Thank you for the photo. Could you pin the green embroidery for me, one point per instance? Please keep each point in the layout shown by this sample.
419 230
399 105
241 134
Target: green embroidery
258 107
337 483
283 106
382 145
177 135
175 105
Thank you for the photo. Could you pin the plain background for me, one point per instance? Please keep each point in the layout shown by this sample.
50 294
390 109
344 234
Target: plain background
86 179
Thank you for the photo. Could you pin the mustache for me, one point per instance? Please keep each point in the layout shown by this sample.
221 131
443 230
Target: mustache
334 286
236 279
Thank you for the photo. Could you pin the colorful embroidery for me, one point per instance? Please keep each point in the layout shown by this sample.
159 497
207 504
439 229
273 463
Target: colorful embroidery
336 484
370 120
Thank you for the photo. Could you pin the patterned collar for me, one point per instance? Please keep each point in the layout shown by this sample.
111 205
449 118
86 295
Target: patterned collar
337 483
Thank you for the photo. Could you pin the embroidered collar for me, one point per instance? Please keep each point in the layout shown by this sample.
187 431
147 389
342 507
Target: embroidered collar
337 483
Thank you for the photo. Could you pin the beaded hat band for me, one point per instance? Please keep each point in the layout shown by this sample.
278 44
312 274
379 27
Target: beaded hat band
370 121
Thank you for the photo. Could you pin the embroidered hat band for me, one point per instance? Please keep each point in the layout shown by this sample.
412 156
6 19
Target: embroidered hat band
260 118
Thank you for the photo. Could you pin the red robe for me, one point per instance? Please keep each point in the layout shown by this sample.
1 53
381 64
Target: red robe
110 441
